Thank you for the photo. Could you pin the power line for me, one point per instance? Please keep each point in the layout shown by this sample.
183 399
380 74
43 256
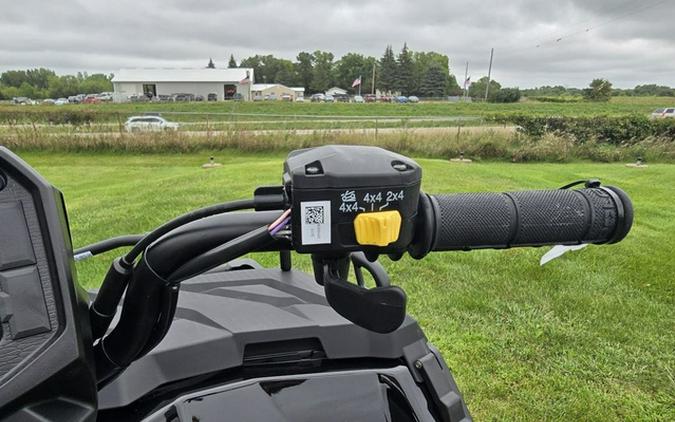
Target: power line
555 41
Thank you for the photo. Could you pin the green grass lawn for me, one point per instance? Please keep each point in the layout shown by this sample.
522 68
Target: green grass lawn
589 336
197 111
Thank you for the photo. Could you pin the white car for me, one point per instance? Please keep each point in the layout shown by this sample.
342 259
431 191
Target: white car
149 124
61 101
105 96
663 113
358 99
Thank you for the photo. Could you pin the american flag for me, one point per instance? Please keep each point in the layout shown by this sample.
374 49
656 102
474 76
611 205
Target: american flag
467 81
356 82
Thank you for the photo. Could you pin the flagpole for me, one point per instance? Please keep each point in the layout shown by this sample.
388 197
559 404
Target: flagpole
373 87
360 83
466 76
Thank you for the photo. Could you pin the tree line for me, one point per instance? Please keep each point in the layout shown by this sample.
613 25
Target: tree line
647 90
425 74
45 83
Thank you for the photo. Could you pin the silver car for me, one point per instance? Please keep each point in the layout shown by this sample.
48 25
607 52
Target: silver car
663 113
149 124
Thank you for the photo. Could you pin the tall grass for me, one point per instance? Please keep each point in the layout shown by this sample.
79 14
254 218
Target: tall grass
483 144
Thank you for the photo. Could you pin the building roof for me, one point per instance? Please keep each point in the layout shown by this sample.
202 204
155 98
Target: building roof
336 90
181 75
262 87
298 89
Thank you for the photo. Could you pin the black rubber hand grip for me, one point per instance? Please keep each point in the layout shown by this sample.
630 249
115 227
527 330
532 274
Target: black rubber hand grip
530 218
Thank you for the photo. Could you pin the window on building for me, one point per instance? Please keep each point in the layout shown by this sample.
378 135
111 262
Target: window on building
230 90
150 90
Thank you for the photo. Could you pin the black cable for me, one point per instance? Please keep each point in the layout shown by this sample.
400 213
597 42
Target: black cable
228 251
184 219
168 310
108 245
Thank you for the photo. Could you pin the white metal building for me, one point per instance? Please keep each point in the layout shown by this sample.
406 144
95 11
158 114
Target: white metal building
225 83
267 91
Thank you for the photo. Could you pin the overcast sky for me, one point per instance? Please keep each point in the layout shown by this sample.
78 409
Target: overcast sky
628 42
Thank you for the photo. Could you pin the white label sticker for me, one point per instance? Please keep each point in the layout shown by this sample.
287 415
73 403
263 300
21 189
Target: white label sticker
315 222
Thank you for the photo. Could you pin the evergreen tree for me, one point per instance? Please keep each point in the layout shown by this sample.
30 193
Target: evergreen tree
388 70
422 61
434 82
405 77
232 63
211 65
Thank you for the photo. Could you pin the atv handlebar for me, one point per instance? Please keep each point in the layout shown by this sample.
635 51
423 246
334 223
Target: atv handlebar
530 218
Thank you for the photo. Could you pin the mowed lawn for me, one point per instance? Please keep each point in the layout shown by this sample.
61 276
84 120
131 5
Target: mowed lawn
589 336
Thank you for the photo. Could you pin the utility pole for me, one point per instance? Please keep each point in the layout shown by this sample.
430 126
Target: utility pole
466 76
373 87
487 87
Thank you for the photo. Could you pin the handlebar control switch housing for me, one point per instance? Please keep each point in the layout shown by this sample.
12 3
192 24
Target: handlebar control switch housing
351 198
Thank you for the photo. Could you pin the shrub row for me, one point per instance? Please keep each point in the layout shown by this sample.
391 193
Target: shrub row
56 117
604 129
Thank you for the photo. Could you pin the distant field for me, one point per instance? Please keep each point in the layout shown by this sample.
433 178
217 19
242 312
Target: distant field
586 337
283 110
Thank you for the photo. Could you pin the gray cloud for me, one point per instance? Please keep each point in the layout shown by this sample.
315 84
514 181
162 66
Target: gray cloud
94 35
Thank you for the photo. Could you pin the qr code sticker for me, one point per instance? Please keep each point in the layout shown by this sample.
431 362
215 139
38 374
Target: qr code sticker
314 215
315 223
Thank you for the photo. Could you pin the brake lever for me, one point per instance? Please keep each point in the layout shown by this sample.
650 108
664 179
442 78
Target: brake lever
380 309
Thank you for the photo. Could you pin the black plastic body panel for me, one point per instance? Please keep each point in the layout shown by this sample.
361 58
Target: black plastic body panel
45 350
235 320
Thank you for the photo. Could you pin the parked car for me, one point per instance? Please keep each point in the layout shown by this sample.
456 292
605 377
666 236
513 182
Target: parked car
183 97
93 99
663 113
316 98
342 98
300 100
22 100
370 98
270 97
257 97
385 98
237 96
212 97
286 97
48 101
358 99
199 98
136 98
149 124
401 99
413 99
61 101
105 96
328 99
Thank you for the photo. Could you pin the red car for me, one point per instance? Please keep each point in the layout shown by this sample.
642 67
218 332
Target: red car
91 99
385 99
370 98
